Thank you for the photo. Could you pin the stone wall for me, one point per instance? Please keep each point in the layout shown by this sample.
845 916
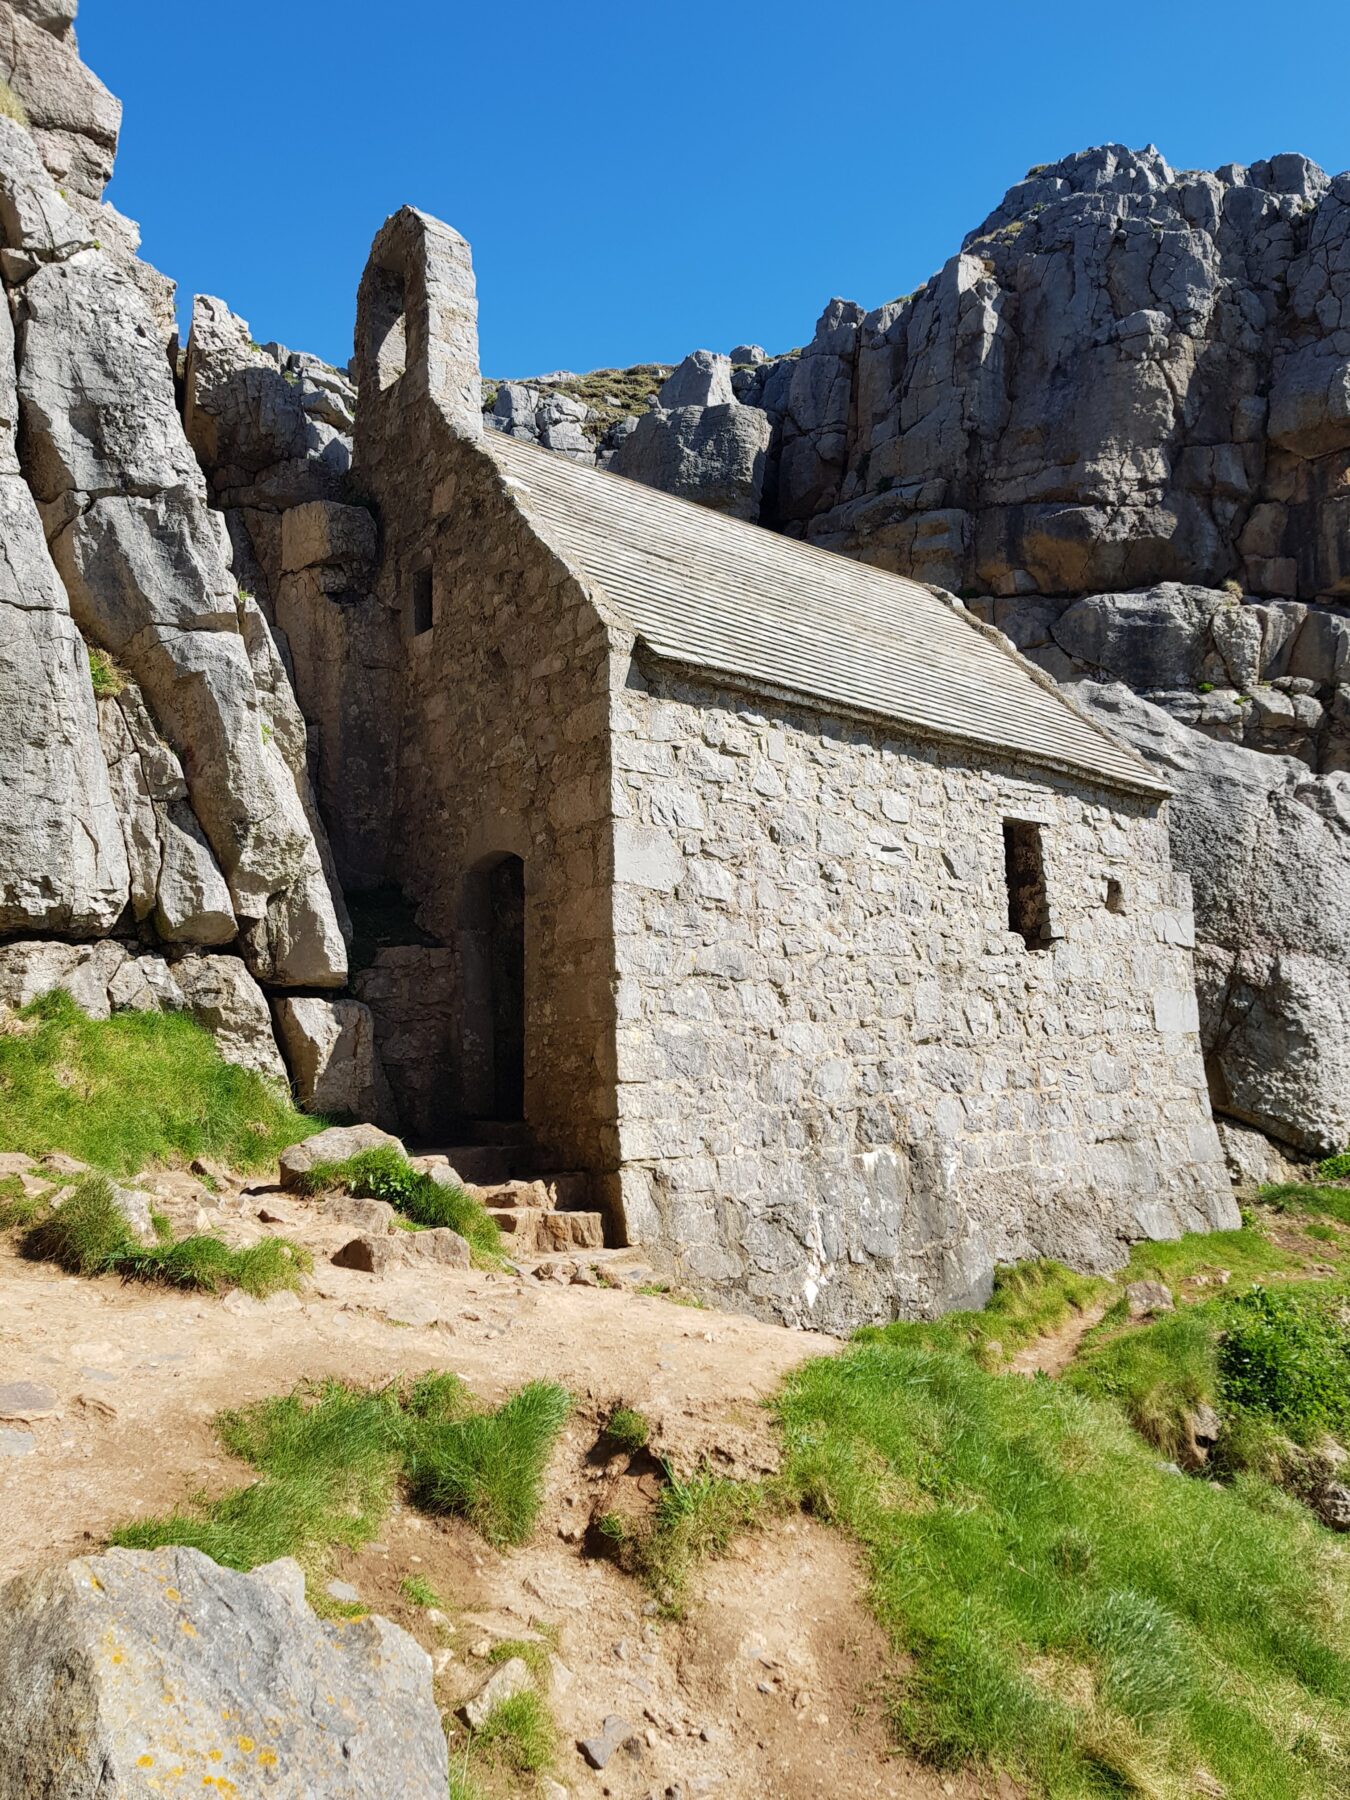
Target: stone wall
501 742
846 1088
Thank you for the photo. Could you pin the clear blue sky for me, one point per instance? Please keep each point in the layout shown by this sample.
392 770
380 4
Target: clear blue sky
641 180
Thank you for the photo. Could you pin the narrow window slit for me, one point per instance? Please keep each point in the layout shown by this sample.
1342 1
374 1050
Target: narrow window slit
421 602
1024 869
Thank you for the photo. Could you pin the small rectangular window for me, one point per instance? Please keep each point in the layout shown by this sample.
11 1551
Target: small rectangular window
421 602
1024 869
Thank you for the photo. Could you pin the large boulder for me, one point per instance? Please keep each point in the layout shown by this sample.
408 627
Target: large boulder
146 1672
225 1000
146 566
330 1048
699 442
1267 847
338 1144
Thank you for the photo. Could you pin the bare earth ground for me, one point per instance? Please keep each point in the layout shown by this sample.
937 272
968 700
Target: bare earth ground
772 1685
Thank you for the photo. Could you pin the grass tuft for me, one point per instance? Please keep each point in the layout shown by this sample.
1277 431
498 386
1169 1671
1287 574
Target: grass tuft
106 679
11 107
134 1091
518 1736
330 1458
421 1593
383 1174
693 1521
627 1429
1330 1201
88 1235
488 1467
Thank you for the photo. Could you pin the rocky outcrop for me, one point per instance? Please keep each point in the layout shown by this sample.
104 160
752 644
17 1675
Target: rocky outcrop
174 879
1267 847
117 1669
1272 675
699 441
111 976
146 567
75 120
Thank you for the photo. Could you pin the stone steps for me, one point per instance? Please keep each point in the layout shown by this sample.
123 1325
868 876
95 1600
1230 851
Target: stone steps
534 1231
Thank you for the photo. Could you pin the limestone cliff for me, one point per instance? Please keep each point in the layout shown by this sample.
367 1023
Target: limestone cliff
157 794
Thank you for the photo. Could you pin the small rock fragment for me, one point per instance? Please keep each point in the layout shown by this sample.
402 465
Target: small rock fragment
373 1255
17 1443
439 1245
613 1733
1145 1299
342 1590
25 1401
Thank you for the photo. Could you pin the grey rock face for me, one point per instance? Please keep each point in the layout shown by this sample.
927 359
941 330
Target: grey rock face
553 421
330 1049
1267 847
1271 675
62 863
75 119
270 429
261 1694
225 1000
174 878
347 664
146 568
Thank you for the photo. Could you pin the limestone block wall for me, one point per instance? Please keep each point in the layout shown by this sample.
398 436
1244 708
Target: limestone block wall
846 1088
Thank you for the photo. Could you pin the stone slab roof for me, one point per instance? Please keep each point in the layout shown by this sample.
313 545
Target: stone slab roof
715 594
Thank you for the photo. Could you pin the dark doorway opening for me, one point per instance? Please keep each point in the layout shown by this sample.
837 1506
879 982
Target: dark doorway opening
493 1025
1024 869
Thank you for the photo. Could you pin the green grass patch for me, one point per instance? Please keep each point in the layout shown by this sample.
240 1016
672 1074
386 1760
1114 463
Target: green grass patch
1070 1613
421 1593
518 1737
1157 1374
384 1174
1335 1168
138 1090
488 1467
1297 1197
329 1459
694 1520
1247 1254
535 1653
88 1235
1287 1354
627 1429
105 677
1028 1300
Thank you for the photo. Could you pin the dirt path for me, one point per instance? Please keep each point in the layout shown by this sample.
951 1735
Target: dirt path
1052 1353
773 1685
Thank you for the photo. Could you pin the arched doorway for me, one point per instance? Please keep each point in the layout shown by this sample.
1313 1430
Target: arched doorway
493 1031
